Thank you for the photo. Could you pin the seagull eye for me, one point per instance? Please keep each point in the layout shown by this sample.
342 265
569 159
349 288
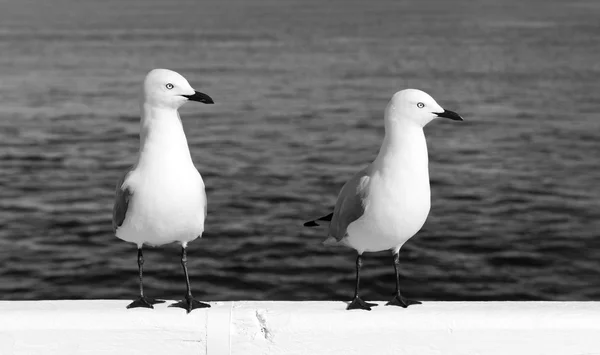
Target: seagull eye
420 105
170 86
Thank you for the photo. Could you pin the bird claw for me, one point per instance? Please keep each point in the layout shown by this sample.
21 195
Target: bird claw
400 301
359 303
144 302
189 304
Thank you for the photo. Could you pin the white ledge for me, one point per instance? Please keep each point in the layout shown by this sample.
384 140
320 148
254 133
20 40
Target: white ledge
248 328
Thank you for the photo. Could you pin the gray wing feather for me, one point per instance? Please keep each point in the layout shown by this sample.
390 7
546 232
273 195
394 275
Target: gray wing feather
122 198
350 204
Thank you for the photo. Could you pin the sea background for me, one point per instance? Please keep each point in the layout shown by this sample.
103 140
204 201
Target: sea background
300 88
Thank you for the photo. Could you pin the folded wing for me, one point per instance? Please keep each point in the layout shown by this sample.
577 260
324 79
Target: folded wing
350 204
122 197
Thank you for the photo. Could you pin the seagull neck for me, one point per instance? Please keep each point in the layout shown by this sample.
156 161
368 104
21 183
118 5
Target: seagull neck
404 145
162 135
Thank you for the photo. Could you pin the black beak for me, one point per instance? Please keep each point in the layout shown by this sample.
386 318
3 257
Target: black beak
200 97
449 114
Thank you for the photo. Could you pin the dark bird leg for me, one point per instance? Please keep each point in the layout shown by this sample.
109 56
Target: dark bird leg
142 301
398 300
189 303
357 302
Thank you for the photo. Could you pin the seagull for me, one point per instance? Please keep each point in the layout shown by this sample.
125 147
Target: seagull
385 204
161 198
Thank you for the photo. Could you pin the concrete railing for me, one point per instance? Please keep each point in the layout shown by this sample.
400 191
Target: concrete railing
307 328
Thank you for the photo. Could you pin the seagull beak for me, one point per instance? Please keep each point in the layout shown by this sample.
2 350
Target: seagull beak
200 97
449 114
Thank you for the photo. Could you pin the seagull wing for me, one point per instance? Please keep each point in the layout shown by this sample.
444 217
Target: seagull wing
314 223
350 204
203 193
122 197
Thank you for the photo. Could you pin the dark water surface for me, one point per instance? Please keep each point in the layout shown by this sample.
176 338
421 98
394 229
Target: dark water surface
300 88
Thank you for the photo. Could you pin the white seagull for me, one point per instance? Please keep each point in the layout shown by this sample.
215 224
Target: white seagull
161 198
386 203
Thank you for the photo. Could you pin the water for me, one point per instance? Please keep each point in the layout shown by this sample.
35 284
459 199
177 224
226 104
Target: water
300 88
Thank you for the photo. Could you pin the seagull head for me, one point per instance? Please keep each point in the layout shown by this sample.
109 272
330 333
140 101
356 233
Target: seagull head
418 107
168 89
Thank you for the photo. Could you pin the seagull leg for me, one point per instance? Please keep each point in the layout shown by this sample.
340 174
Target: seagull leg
142 301
189 303
398 300
357 302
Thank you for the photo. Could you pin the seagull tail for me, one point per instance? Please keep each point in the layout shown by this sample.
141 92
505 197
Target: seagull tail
330 241
314 223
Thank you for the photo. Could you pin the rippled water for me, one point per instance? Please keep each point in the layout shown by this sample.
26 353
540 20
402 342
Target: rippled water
300 88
